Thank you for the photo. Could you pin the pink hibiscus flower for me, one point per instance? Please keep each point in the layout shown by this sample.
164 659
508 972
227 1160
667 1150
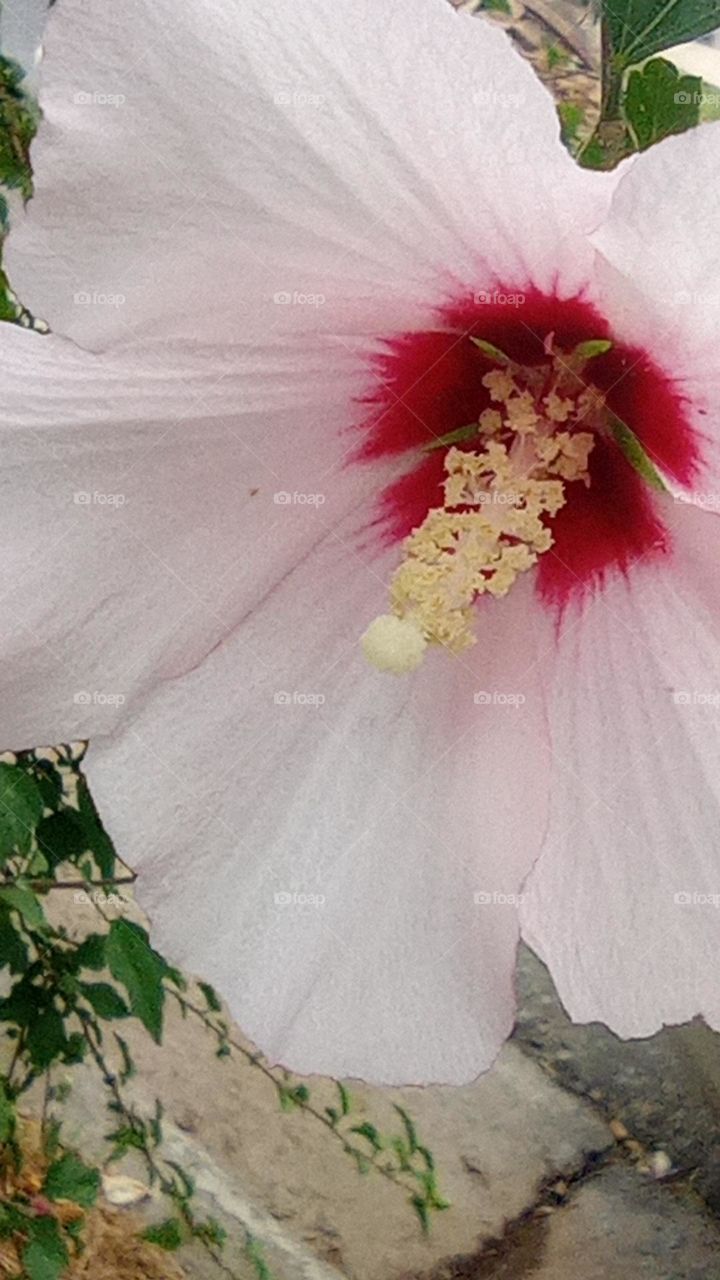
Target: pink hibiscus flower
264 237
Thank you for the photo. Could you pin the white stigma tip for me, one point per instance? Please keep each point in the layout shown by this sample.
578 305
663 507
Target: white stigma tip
394 644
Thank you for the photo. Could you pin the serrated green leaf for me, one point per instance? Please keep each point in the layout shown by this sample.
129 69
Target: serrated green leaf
45 1256
639 28
631 447
21 809
659 102
69 1178
167 1235
140 970
105 1000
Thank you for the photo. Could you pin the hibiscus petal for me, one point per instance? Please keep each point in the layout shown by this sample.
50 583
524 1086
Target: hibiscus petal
338 851
624 903
659 276
133 492
365 155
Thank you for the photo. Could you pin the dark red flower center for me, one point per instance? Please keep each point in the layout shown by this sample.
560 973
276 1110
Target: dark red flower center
429 384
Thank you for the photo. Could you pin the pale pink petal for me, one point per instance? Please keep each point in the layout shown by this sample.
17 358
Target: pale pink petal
200 160
340 851
659 275
134 494
624 903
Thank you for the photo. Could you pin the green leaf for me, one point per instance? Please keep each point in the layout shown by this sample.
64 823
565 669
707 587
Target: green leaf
134 963
367 1130
659 101
45 1257
91 952
26 903
69 1178
21 809
49 783
572 118
105 1000
99 843
21 1005
7 1116
46 1038
421 1209
187 1183
409 1127
631 447
128 1067
167 1234
256 1258
639 28
18 122
345 1099
497 6
13 951
61 838
211 997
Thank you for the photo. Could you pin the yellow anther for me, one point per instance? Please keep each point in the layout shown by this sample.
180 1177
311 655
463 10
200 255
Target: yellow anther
493 523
